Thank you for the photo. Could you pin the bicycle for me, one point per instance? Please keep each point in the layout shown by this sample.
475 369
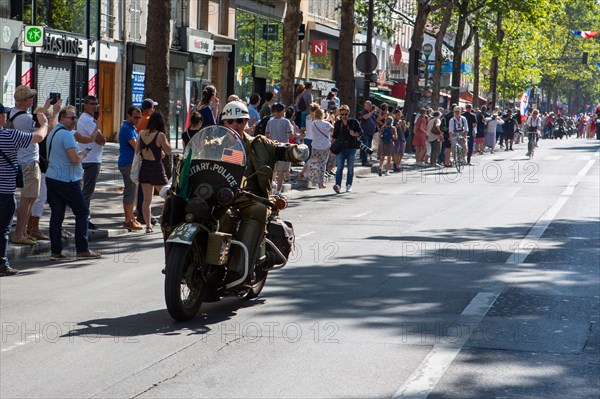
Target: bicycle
459 153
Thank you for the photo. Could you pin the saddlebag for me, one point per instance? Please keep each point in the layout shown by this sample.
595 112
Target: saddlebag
281 233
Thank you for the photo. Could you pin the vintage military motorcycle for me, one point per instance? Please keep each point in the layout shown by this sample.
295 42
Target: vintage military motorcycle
200 222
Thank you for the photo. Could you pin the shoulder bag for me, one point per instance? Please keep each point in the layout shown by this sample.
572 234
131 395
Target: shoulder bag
20 180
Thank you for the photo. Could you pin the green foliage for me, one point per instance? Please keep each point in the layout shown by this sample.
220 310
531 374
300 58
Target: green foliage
540 49
382 19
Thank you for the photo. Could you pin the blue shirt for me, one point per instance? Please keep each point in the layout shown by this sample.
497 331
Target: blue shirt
10 141
253 113
59 165
126 151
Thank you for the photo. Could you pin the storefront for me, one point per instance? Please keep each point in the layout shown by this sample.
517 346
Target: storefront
135 73
9 43
200 46
258 53
323 59
66 64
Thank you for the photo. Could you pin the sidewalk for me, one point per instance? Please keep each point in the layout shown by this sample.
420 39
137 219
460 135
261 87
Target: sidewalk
107 205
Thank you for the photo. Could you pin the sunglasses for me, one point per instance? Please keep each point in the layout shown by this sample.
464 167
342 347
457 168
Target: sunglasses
238 120
70 117
344 114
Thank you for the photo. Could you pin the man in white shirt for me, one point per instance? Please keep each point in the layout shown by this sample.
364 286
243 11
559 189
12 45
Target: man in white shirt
86 126
458 128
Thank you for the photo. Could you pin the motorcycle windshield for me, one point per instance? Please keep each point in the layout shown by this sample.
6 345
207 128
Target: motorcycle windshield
217 143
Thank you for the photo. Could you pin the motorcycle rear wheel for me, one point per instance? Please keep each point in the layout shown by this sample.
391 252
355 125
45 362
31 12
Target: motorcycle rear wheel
184 286
258 283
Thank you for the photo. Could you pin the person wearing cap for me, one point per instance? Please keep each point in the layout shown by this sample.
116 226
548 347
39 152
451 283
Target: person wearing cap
11 140
262 152
280 130
335 90
147 109
28 158
87 126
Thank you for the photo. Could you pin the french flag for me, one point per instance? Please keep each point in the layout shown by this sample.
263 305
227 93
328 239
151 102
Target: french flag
586 34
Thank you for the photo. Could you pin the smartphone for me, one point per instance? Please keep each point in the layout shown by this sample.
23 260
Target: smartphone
96 115
54 97
88 149
35 121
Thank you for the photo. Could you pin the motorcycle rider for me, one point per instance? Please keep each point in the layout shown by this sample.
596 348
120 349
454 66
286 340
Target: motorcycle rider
260 151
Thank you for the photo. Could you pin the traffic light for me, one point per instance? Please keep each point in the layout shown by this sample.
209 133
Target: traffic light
417 58
584 59
301 32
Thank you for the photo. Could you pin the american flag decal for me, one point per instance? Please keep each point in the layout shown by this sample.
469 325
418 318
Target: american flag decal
233 156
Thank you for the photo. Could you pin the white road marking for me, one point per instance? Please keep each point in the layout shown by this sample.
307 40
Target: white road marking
29 339
306 234
431 370
362 214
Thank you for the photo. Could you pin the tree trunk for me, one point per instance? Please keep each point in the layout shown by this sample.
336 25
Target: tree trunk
476 65
411 103
437 66
494 64
457 51
158 34
346 56
293 19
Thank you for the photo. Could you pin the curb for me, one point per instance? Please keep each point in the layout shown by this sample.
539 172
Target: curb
18 251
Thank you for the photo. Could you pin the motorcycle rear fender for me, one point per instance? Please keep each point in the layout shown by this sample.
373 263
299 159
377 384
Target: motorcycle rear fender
185 233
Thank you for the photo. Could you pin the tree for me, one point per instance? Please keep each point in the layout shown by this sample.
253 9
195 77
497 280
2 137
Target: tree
158 34
292 21
439 41
346 55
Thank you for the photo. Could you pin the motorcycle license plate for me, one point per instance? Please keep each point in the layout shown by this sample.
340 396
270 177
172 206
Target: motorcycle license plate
184 233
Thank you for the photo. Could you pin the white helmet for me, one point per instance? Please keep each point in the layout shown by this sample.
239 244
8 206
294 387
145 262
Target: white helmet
235 110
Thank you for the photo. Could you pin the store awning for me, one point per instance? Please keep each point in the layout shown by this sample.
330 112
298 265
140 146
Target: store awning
389 99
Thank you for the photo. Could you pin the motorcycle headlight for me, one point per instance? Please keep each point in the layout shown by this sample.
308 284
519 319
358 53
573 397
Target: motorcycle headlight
225 196
198 209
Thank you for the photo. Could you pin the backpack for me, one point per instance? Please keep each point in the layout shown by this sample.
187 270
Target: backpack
386 136
261 126
302 104
9 121
444 125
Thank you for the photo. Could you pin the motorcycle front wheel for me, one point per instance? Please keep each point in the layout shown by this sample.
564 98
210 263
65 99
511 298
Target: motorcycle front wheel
184 286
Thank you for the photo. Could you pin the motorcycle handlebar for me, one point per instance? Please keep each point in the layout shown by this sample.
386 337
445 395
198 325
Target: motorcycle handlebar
262 200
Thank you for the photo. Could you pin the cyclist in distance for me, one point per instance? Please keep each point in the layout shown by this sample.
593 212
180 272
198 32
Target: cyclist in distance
533 125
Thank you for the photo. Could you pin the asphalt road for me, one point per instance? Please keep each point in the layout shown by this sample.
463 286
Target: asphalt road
421 284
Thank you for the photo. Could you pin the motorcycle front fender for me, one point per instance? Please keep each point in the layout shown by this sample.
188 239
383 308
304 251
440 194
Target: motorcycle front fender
185 233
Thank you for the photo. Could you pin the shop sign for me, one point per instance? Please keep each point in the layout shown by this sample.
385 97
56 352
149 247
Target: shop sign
34 36
223 48
200 45
138 77
270 32
318 47
65 45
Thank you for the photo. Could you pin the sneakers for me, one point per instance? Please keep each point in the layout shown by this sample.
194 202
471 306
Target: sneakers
133 225
380 172
88 255
6 271
348 188
336 188
92 226
387 173
59 257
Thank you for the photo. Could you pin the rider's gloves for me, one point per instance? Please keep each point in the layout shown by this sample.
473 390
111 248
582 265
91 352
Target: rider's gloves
301 152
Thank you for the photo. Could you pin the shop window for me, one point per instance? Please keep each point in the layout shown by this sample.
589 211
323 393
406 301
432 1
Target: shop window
323 66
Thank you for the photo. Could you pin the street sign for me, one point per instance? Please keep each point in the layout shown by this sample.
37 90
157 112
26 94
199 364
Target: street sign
223 48
427 49
361 62
34 36
397 55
